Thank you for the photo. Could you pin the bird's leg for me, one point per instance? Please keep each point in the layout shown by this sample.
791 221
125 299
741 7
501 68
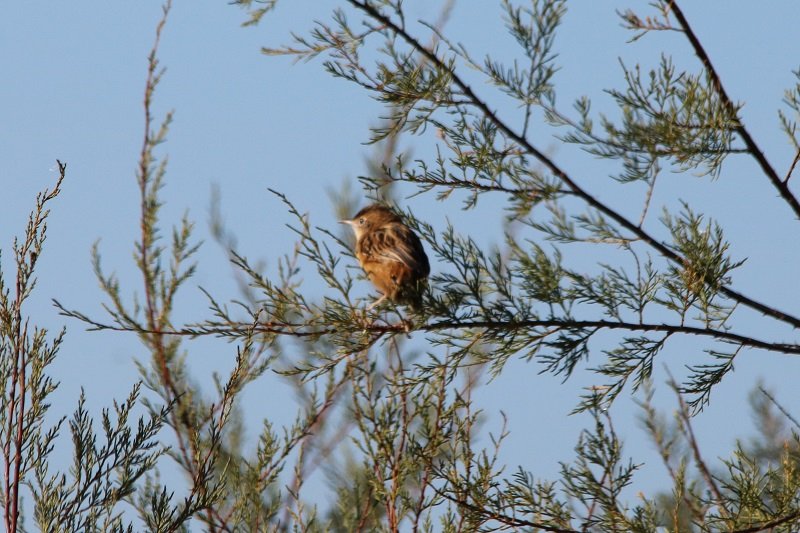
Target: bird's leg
376 302
407 323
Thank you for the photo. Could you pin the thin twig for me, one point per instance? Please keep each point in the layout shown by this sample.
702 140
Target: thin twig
791 167
316 421
664 451
647 199
427 468
503 519
686 424
783 410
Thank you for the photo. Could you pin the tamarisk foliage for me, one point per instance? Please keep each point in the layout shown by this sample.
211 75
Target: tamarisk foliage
393 423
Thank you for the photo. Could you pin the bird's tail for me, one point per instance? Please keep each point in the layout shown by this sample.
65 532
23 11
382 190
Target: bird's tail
414 295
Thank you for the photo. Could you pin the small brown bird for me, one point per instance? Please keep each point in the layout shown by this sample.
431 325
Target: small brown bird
391 254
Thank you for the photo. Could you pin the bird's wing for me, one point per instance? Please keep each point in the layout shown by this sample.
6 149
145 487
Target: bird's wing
396 242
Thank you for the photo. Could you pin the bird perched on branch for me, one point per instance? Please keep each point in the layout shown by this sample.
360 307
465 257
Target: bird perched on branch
391 254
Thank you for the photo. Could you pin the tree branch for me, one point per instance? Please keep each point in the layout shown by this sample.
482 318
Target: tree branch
301 330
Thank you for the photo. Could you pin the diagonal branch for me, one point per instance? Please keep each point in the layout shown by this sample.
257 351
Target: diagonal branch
589 198
752 147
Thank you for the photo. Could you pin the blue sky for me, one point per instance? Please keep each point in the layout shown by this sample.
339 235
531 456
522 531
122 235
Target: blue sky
73 81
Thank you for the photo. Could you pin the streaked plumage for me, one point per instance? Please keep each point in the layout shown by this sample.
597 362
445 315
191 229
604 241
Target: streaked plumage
391 254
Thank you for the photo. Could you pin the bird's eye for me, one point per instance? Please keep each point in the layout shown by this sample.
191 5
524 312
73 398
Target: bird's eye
361 221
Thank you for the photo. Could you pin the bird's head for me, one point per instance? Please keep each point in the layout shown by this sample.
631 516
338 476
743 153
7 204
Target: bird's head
371 217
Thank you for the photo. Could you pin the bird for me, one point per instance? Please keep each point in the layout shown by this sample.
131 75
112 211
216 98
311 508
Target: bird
391 255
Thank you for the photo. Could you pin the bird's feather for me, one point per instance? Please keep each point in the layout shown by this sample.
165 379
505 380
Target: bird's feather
396 242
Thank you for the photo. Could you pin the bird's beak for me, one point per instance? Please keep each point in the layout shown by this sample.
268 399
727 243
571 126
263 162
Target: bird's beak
348 222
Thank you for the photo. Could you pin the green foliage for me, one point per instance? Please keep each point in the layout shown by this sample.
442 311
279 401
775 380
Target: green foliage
107 465
102 476
669 116
575 284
